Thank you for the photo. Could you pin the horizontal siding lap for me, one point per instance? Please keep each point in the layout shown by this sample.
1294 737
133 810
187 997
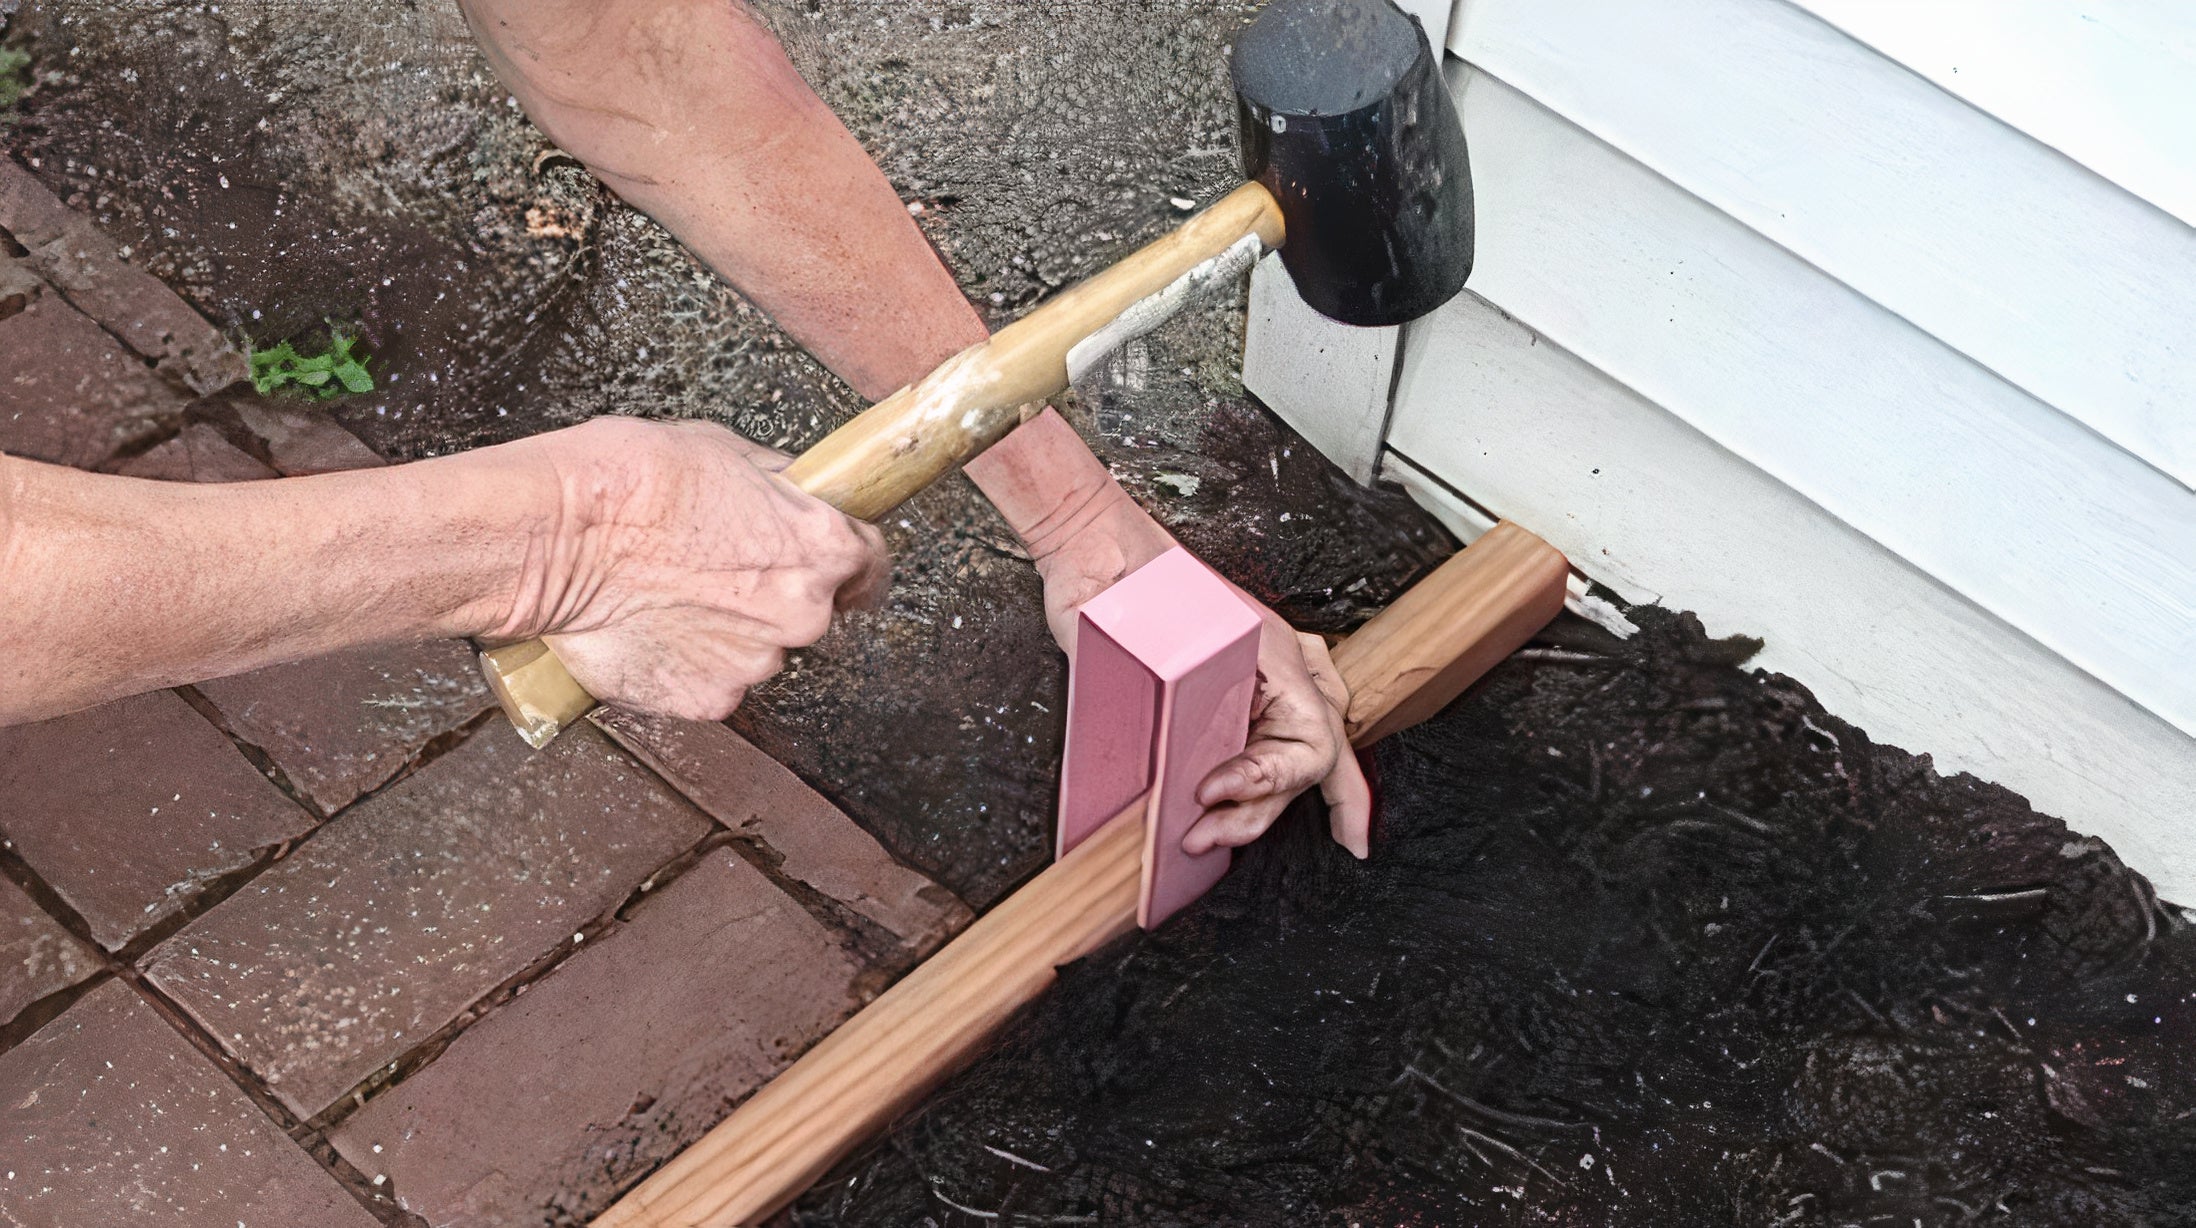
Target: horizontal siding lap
1641 500
2109 83
2067 285
2074 542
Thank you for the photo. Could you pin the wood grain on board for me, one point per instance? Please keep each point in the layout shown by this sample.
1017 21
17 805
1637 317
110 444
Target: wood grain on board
1471 612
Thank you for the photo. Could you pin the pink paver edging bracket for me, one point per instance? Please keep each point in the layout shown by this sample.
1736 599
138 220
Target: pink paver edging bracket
1166 662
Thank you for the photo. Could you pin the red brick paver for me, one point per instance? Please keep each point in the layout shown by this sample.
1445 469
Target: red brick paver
37 956
341 725
408 908
108 1118
415 934
547 1109
197 454
757 797
72 255
69 393
300 437
127 810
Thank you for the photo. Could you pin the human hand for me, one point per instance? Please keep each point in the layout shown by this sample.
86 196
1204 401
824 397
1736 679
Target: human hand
682 567
1296 738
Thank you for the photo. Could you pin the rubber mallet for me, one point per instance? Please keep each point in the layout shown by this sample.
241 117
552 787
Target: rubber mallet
1358 174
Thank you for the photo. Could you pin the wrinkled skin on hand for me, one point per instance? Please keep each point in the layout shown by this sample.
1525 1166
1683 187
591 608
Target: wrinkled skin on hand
1297 740
692 113
683 567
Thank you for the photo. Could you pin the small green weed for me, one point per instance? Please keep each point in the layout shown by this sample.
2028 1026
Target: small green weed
13 79
323 375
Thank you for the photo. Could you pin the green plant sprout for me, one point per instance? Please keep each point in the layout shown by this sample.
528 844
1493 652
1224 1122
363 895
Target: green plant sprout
13 79
322 375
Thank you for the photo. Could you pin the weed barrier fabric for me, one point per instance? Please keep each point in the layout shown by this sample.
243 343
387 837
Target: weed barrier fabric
1646 939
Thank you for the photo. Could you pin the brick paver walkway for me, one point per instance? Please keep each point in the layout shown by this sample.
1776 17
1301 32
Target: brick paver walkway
326 944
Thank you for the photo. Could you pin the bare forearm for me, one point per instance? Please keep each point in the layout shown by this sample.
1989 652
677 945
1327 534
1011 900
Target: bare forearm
1060 500
690 111
118 585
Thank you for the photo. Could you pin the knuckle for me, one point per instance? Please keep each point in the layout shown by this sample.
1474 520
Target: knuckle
823 525
811 622
858 557
723 703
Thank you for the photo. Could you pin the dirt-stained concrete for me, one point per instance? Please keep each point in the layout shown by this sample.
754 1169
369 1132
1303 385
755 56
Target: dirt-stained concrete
289 162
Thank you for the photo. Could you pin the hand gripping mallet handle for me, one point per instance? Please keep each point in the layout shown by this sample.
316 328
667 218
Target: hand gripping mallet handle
924 431
1348 133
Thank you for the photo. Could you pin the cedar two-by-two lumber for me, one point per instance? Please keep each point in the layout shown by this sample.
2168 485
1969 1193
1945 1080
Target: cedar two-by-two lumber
1404 665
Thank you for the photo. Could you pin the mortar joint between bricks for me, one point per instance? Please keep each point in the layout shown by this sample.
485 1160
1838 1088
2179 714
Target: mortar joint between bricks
19 871
308 1139
265 765
433 1045
877 947
432 749
38 1014
872 943
207 895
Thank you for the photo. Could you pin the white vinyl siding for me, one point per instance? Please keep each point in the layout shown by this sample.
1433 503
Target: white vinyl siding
2077 543
1660 512
1866 327
2109 83
2048 274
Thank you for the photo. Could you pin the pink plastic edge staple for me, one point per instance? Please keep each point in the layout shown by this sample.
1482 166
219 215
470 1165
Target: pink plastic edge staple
1165 668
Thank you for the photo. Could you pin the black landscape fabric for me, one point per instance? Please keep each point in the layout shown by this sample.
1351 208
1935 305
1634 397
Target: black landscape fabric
1647 939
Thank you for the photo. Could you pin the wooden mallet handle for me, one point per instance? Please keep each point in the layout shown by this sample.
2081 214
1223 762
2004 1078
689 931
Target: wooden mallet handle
924 431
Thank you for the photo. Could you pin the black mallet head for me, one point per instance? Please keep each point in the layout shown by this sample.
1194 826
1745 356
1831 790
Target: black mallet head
1346 120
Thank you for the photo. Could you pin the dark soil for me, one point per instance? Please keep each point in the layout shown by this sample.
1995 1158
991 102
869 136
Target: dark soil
1646 939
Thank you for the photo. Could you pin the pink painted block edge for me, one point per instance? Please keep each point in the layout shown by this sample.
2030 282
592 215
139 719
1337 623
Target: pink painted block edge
1203 718
1165 669
1173 614
1113 711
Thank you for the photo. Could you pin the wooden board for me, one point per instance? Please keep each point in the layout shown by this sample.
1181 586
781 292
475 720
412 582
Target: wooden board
1408 663
2028 514
2040 270
878 1064
1653 508
1475 608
